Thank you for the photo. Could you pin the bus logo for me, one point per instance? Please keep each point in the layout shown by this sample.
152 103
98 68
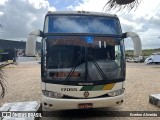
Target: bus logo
86 94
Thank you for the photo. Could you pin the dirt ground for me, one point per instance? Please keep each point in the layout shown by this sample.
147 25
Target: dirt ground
24 84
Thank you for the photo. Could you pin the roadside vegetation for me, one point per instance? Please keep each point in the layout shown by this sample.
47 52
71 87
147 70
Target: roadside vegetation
2 79
2 84
145 52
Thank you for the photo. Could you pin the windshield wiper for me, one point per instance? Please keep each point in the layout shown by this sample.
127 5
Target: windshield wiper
73 69
104 77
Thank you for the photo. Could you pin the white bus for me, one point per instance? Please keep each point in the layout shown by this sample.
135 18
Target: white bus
82 59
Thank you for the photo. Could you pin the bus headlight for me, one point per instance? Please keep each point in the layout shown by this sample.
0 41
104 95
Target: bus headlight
52 94
116 92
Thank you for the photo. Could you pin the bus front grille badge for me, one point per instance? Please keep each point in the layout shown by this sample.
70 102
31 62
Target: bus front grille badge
86 94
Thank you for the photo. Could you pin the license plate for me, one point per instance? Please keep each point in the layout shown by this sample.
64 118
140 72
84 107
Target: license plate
85 105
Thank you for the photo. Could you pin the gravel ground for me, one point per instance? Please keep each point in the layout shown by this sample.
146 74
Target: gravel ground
24 84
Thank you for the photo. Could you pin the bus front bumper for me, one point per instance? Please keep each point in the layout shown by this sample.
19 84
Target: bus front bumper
64 104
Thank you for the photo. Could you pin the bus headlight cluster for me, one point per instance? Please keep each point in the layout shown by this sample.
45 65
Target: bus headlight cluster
116 92
52 94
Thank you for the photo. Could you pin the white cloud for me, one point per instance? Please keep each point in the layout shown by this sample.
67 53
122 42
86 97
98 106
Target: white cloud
1 13
39 3
70 7
2 2
147 8
51 9
20 17
91 5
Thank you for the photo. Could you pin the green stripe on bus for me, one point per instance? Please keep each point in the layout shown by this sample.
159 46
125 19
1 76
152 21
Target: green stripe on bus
86 88
98 87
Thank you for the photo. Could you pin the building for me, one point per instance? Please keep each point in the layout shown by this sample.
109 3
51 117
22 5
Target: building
10 49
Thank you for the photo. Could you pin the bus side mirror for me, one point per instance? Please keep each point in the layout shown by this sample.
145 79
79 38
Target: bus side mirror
31 42
124 35
37 33
136 42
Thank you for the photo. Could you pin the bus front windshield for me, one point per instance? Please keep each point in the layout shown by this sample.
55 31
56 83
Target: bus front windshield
79 57
74 58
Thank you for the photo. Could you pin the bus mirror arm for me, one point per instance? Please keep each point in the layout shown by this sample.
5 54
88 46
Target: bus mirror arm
31 42
136 42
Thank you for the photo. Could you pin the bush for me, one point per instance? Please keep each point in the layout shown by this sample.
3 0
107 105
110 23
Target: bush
2 84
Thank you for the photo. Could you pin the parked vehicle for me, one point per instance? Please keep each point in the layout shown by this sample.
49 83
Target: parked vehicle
132 60
136 59
154 58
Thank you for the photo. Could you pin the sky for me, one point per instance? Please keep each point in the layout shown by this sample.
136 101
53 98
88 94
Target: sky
20 17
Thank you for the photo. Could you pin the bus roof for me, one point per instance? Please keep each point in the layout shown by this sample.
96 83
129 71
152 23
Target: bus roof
81 13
